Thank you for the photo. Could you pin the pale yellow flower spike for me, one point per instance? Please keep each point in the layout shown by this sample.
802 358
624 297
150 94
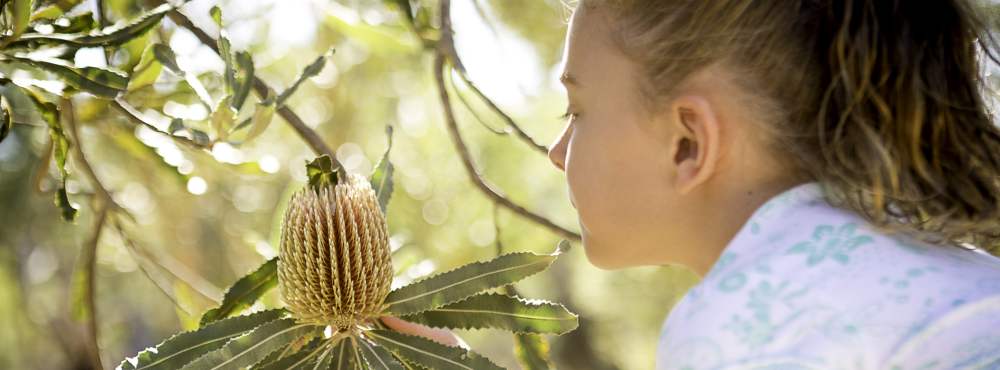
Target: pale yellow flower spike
335 266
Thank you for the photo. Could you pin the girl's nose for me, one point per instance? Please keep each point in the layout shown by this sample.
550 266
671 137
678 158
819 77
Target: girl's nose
557 152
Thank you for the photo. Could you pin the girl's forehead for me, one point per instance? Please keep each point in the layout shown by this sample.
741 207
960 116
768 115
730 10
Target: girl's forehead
588 44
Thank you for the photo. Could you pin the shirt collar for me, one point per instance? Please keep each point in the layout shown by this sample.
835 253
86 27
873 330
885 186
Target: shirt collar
767 216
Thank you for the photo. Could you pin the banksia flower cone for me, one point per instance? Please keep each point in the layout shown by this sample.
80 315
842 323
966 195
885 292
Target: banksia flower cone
334 266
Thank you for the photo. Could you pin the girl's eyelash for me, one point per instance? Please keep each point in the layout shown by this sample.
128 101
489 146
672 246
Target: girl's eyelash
567 115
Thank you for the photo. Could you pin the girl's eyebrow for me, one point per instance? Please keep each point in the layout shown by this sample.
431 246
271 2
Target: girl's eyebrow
569 80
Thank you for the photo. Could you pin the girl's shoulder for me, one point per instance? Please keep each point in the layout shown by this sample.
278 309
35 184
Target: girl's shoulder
808 282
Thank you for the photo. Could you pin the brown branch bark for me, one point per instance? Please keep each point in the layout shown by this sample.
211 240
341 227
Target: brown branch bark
445 50
88 255
135 116
310 136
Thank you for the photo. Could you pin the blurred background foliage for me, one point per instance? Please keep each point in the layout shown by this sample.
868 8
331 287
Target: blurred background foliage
203 218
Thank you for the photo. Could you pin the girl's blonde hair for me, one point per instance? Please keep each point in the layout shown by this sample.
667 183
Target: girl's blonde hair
881 101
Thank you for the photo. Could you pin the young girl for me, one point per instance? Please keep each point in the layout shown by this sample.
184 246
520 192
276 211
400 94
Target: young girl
828 167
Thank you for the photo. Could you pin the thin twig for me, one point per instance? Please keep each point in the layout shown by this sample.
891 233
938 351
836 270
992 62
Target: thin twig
446 48
470 167
135 116
496 109
475 114
310 136
88 256
42 170
139 261
69 113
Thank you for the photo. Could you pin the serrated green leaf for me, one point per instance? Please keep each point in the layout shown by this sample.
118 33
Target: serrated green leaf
532 352
244 82
111 36
98 81
46 12
6 118
83 22
49 113
226 53
321 172
465 281
251 348
430 354
20 18
66 208
223 117
302 359
377 357
308 72
216 14
176 124
146 71
500 311
166 56
186 347
262 117
345 355
245 292
199 137
381 177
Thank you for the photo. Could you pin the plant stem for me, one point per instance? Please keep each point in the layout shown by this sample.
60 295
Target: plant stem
310 136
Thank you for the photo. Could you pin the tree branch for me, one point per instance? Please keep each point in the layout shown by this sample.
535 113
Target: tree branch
444 50
135 116
261 89
88 256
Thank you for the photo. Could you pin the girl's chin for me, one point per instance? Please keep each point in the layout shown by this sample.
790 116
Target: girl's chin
602 255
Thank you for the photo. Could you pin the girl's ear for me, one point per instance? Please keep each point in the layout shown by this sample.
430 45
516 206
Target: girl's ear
694 141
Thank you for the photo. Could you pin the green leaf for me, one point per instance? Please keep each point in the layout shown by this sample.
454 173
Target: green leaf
20 18
430 354
147 70
111 36
49 113
245 292
244 82
345 355
166 56
253 347
321 172
532 352
308 72
176 124
404 7
46 12
223 117
381 177
262 117
98 81
199 137
6 118
500 311
216 14
83 22
377 357
303 358
186 347
226 53
468 280
68 211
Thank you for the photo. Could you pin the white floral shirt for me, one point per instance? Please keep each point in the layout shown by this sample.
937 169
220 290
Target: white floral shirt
805 285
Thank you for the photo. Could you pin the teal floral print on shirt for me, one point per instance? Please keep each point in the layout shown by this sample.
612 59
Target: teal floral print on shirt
807 285
830 242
